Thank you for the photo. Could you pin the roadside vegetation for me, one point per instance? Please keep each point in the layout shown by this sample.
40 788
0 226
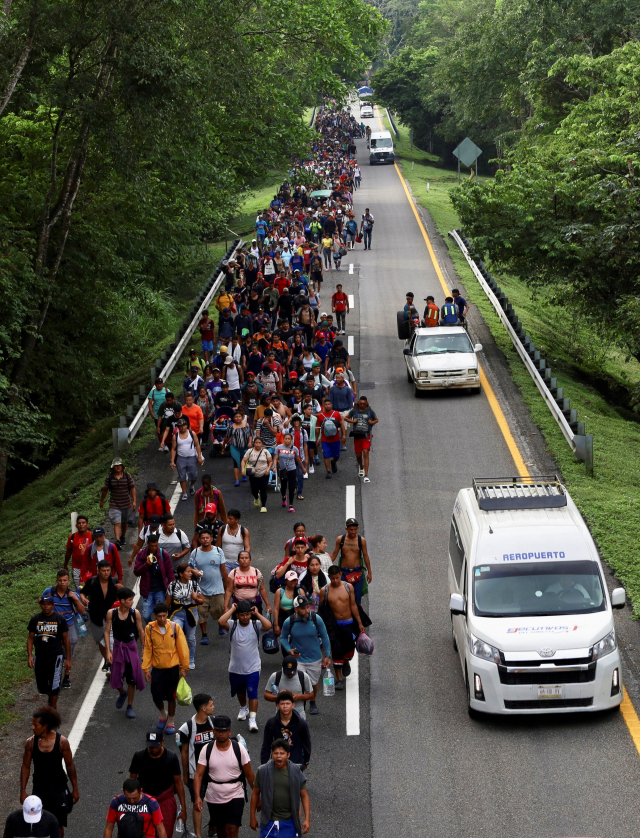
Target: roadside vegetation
610 501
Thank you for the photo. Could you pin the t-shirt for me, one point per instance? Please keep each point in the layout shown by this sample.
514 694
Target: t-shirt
281 802
340 300
292 684
166 410
194 415
152 506
362 428
48 634
158 398
209 562
147 808
180 592
119 490
245 648
174 543
203 735
156 775
208 526
461 303
322 351
78 544
245 585
223 766
287 457
206 329
322 416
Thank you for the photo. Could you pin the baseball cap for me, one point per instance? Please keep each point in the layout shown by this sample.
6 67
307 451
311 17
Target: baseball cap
224 349
293 375
320 335
154 737
228 360
153 536
210 507
289 663
195 367
300 602
315 364
291 575
221 723
99 531
49 598
351 522
32 809
154 520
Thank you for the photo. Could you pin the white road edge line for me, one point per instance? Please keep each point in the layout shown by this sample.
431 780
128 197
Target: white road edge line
350 344
99 679
351 301
352 685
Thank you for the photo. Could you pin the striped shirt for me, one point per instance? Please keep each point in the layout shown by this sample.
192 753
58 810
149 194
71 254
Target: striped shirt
61 604
119 490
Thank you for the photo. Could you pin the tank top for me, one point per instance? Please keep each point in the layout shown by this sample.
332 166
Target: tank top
185 447
124 630
232 544
48 772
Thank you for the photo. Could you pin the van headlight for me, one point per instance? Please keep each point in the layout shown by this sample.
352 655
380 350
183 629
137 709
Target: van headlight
483 650
472 372
605 646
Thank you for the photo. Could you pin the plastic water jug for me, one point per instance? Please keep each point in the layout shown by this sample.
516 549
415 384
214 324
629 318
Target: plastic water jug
328 682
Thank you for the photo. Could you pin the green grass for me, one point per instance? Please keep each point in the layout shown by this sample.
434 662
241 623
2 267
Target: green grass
609 501
258 198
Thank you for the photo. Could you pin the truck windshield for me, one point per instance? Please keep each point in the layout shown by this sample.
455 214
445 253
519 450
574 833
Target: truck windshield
537 590
382 142
438 344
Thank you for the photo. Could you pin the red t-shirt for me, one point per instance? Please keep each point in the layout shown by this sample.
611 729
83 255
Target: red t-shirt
78 545
339 300
281 283
206 329
155 506
306 255
148 808
336 418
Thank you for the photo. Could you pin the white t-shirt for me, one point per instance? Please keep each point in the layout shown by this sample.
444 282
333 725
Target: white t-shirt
245 649
174 544
223 766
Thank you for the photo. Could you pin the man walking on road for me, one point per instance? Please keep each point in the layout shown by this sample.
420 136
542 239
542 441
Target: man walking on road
194 735
463 306
165 660
293 680
153 566
279 790
330 430
225 766
209 567
340 307
158 771
353 559
366 228
344 623
136 813
99 594
77 545
121 489
363 419
304 636
287 725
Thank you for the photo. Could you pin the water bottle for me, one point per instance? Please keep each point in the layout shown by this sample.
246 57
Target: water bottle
81 628
328 682
179 825
241 740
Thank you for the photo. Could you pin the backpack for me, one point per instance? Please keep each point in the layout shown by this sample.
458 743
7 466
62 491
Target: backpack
165 505
329 427
236 750
314 619
270 643
131 825
278 678
235 626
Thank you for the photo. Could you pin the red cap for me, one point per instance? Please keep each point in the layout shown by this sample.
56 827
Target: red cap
293 375
210 507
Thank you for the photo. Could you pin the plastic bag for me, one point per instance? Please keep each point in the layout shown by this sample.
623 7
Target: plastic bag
183 693
364 644
270 643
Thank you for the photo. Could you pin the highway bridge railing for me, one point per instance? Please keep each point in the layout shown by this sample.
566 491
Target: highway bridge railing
559 406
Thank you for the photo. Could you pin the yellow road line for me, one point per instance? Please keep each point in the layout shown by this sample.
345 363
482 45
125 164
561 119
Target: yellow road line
518 460
631 719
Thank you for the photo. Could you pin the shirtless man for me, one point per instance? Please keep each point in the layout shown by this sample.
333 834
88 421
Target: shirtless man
342 602
354 557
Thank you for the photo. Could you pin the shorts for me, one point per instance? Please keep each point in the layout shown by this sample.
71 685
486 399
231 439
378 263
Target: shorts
362 444
48 672
164 683
97 632
207 346
221 814
245 684
53 802
187 468
331 450
119 516
285 829
313 670
212 606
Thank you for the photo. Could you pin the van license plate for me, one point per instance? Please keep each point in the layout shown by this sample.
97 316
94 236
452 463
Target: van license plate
550 692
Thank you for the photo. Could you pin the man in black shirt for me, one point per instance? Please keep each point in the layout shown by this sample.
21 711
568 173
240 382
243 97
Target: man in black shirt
329 226
99 594
32 821
194 735
48 633
224 399
285 305
158 771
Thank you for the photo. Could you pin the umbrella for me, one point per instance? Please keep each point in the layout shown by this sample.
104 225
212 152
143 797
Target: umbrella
321 193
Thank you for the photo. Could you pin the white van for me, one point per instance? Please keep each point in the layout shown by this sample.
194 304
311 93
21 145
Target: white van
531 616
381 148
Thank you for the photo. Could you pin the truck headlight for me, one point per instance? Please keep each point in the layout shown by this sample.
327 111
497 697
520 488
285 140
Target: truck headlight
423 375
472 372
483 650
605 646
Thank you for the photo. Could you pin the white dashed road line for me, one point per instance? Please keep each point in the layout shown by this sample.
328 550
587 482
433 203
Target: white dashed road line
350 344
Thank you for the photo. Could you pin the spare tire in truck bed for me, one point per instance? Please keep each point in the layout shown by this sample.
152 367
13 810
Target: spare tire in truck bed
404 330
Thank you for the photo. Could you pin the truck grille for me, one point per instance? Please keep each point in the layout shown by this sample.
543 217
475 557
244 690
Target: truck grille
548 704
447 373
524 677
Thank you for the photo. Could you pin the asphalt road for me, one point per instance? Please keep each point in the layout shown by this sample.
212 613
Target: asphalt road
420 766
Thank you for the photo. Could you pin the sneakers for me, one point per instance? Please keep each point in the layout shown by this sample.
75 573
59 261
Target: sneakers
66 683
316 460
346 669
237 483
291 509
184 496
284 503
204 640
129 712
305 475
313 708
366 480
192 490
120 700
244 478
334 466
263 509
253 724
105 666
311 469
221 632
343 447
161 448
339 685
192 666
327 476
256 501
243 712
360 471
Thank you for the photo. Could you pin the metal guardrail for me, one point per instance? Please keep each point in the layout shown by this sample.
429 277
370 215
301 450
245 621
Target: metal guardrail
573 431
130 424
313 116
392 123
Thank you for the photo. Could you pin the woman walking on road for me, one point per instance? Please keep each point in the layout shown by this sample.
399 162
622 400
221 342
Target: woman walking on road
286 461
256 463
239 439
125 622
183 598
233 538
246 582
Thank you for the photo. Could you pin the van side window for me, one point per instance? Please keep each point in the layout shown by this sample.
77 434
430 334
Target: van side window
456 550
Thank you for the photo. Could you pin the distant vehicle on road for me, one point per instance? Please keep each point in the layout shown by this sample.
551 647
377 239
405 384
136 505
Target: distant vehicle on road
381 148
440 358
366 111
531 616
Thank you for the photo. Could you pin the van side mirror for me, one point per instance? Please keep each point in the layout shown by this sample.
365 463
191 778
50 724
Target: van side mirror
406 351
477 347
618 598
457 605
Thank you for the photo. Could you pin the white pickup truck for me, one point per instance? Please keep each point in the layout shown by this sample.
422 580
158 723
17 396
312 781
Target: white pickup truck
442 358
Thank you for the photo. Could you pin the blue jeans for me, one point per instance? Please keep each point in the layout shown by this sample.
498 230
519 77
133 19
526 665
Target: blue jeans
180 617
300 479
367 237
148 603
285 829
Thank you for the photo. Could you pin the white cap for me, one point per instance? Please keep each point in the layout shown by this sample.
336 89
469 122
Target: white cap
32 809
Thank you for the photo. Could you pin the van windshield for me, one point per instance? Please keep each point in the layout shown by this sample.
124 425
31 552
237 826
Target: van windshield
382 142
438 344
537 590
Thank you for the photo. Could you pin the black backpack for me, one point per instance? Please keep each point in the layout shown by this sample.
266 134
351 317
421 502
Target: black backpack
278 678
236 750
131 825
